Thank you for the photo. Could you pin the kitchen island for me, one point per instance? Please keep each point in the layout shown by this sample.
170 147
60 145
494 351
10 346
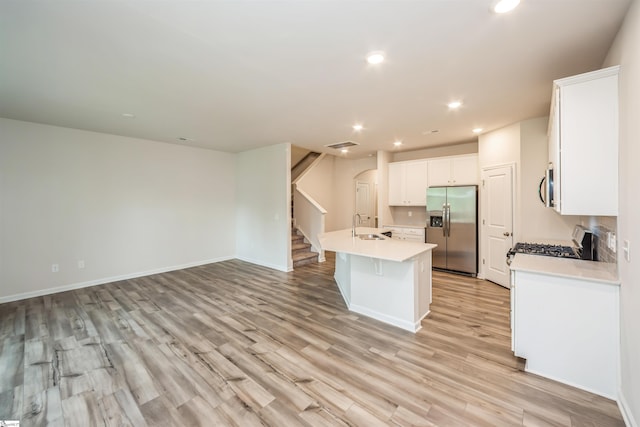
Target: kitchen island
388 280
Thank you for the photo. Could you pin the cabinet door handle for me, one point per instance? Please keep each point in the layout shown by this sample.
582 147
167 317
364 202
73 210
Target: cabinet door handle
506 234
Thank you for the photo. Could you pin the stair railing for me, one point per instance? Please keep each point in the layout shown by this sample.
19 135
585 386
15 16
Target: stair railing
309 219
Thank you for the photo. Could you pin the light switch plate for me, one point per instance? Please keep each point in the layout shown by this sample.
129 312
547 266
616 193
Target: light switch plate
626 249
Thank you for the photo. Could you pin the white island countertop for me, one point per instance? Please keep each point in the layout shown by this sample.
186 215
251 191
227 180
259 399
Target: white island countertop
592 271
387 249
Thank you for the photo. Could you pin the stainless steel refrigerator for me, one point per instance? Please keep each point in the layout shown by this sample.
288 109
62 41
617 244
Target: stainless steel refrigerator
452 224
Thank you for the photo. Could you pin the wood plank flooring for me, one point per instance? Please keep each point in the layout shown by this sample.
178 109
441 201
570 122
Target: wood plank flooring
236 344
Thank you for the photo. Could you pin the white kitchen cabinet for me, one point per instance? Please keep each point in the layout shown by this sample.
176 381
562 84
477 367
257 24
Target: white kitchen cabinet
455 170
406 233
567 328
408 183
583 143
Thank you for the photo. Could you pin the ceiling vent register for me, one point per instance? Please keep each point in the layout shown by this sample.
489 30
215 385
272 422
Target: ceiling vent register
339 145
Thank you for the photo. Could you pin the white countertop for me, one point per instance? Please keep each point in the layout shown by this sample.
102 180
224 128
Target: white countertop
593 271
387 249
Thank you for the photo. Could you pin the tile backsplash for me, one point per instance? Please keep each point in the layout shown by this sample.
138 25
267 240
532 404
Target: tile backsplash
600 227
409 215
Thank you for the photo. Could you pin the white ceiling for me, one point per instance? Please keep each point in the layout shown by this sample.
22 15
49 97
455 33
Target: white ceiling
235 75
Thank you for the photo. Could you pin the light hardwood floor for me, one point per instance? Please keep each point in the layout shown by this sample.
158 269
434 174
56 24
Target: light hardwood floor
236 344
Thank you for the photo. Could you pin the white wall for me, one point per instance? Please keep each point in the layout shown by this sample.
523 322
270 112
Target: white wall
538 222
331 184
525 145
384 211
124 206
263 208
344 189
626 52
317 182
498 148
447 150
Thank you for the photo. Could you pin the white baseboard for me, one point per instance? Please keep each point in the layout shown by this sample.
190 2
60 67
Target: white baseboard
625 410
286 269
567 382
400 323
102 281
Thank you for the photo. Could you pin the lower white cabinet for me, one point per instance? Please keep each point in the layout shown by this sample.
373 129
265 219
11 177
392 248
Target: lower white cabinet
567 329
406 233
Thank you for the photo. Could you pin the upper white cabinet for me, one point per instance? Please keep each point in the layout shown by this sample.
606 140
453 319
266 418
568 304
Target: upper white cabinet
457 170
408 183
583 143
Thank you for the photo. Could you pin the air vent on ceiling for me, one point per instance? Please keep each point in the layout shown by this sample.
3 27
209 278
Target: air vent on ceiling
339 145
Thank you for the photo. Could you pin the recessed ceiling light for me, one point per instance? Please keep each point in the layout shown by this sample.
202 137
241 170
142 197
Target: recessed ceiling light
504 6
357 127
397 143
375 58
477 130
128 115
344 150
454 104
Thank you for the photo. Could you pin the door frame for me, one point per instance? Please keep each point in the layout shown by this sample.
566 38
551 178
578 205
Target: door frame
370 203
483 212
369 176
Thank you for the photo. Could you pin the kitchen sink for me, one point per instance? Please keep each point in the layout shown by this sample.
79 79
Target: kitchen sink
370 237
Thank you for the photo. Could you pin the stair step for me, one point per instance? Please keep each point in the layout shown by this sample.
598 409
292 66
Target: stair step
300 250
303 258
300 247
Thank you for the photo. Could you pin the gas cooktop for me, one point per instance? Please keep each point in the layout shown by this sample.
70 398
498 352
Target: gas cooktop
543 249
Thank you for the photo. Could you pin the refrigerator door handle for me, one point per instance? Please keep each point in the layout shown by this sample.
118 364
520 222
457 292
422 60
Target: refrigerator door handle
444 220
448 220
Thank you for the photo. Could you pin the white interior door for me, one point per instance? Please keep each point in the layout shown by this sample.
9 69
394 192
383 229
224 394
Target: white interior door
497 185
363 203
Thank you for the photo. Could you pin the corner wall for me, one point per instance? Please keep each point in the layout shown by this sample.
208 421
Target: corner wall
126 207
263 207
625 51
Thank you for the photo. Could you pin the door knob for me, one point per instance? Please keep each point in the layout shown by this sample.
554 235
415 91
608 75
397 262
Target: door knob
506 234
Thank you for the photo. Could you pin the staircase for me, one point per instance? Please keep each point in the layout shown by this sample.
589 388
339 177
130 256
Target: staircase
301 250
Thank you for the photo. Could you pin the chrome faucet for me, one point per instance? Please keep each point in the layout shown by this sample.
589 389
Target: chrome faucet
353 224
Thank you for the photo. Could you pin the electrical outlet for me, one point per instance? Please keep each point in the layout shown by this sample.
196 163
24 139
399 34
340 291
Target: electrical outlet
410 213
80 264
613 242
55 268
